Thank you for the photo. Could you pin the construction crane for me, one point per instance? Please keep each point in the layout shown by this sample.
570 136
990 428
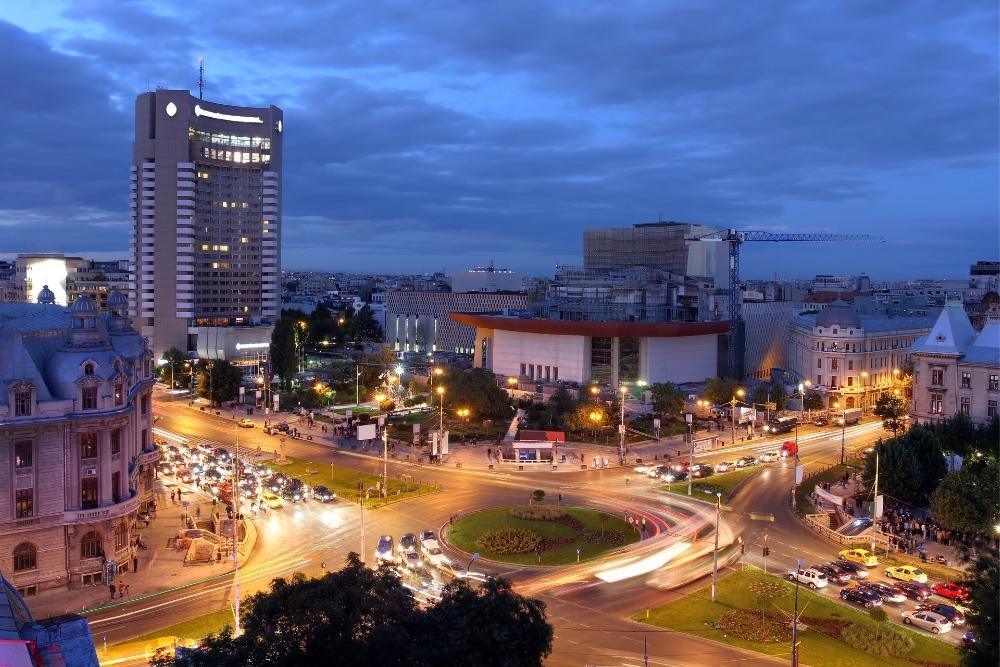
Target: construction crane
735 238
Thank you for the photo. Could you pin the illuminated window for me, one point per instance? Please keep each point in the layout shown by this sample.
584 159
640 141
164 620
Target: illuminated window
225 204
22 454
244 239
88 445
204 246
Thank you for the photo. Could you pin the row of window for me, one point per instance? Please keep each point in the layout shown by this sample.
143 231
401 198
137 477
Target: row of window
992 382
964 405
540 372
26 554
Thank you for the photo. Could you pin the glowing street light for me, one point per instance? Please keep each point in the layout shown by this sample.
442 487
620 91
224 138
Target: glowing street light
440 392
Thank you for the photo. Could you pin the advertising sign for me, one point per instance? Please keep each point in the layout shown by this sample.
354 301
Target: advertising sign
366 432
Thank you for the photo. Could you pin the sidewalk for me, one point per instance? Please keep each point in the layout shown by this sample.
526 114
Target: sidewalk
161 567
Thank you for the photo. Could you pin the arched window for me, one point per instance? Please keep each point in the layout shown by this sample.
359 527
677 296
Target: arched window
25 556
90 545
88 369
121 536
850 401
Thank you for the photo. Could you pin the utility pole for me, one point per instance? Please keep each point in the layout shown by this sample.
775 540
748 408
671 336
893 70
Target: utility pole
621 429
357 384
361 504
689 418
795 621
875 503
715 553
236 535
385 459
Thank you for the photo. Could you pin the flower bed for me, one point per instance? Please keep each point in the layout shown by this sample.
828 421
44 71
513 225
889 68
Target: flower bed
509 540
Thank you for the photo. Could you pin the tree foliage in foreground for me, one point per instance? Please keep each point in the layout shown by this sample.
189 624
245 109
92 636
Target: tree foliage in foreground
966 499
357 617
910 466
983 617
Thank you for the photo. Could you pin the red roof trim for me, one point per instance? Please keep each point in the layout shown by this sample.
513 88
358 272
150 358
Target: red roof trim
601 329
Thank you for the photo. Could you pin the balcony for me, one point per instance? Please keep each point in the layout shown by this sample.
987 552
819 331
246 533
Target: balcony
123 508
149 457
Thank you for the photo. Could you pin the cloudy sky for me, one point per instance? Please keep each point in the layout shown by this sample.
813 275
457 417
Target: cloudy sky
429 135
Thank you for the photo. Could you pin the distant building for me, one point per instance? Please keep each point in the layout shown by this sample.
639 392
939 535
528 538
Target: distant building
767 326
658 245
68 277
419 322
848 357
985 275
206 215
487 279
76 441
957 370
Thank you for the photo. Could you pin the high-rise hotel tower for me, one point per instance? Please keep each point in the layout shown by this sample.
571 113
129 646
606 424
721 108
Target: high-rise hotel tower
206 213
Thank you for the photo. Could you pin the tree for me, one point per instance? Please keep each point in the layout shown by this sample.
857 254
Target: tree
560 405
476 390
363 326
538 495
376 368
174 370
219 381
892 409
367 617
667 398
323 326
910 466
284 350
983 616
812 401
721 390
879 618
966 499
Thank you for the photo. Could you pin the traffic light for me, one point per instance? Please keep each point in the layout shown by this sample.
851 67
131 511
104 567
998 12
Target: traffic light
767 551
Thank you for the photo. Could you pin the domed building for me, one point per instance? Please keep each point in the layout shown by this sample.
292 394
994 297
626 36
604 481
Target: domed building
76 445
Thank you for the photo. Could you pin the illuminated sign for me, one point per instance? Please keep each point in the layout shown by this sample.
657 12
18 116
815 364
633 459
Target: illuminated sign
252 346
51 271
171 108
198 111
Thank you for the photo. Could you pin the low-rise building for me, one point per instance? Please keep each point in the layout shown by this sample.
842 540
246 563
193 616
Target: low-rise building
418 321
955 369
76 441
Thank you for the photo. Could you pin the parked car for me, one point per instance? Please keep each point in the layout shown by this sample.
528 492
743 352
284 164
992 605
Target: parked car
408 542
245 423
951 591
954 616
927 620
857 570
701 470
383 550
656 471
891 594
915 591
724 466
862 596
859 556
323 494
821 420
769 457
674 476
906 573
427 536
834 574
746 461
273 500
810 577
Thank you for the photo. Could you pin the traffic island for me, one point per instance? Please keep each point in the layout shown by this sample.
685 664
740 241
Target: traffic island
753 611
705 488
540 534
345 482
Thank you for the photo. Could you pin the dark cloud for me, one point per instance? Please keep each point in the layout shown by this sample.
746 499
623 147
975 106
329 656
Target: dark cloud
434 134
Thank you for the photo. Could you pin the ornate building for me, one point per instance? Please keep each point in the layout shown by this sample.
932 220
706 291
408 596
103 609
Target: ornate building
76 440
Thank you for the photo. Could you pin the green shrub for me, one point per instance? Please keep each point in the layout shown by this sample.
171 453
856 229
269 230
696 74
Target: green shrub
609 536
538 495
886 642
537 512
508 539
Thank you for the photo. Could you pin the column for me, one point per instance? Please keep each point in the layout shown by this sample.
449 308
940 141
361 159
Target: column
616 344
104 468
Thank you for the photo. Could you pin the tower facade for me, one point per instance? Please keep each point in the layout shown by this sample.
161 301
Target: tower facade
206 213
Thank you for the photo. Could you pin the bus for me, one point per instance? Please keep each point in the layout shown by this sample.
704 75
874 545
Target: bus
848 417
781 424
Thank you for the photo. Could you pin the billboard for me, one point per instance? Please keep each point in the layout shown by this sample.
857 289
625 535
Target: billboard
366 432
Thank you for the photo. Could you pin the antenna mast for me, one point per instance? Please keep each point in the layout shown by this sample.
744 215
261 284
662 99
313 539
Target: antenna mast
201 78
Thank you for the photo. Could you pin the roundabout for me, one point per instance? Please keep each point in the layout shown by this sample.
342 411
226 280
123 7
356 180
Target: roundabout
540 534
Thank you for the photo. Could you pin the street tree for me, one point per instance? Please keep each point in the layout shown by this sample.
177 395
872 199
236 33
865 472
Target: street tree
983 617
219 381
812 401
910 466
560 406
375 368
667 398
363 326
323 326
721 390
893 410
476 390
174 370
966 499
284 349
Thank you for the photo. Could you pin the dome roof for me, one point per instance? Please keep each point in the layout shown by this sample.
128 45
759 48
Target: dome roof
83 304
46 295
838 314
117 300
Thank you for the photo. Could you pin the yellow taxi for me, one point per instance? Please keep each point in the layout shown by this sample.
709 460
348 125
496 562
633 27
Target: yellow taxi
273 500
906 573
859 556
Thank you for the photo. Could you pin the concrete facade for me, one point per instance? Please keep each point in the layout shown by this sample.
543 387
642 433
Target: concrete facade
419 322
206 210
76 444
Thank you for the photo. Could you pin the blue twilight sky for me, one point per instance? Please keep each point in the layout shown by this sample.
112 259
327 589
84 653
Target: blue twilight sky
423 135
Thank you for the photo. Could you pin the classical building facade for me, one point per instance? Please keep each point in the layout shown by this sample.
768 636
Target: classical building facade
851 359
956 369
76 440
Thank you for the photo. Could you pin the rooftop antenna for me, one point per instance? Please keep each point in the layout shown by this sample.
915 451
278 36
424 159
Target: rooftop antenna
201 78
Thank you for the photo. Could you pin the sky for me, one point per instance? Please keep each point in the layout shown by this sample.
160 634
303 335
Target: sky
422 136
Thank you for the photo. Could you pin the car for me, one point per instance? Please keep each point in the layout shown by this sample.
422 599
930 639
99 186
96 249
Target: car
951 591
856 570
906 573
408 542
969 639
954 616
246 423
276 482
674 476
724 466
205 448
434 555
861 596
222 454
383 550
427 536
927 620
746 461
411 559
213 475
294 495
859 556
769 457
700 470
680 466
641 470
821 420
323 494
810 577
656 471
834 574
891 594
185 476
273 500
915 591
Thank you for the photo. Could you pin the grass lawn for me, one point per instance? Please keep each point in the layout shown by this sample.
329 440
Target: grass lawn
697 615
834 474
466 529
706 488
344 481
191 629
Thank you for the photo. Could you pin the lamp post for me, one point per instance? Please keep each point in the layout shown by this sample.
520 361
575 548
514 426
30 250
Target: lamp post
621 428
732 412
715 553
843 429
864 391
795 621
440 371
385 459
689 421
595 417
357 383
440 393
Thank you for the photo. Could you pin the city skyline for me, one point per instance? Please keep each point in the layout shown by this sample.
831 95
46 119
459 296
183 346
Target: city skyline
503 137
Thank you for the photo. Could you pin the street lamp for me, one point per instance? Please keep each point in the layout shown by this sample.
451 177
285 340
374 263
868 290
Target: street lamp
463 413
715 554
621 429
864 390
440 392
843 429
689 420
732 411
595 417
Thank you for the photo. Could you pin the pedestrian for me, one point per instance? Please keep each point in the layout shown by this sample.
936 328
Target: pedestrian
121 589
197 511
626 480
126 591
111 587
172 495
643 522
135 563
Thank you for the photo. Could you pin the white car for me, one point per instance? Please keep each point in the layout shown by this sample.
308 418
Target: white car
411 559
769 457
723 466
383 551
640 469
927 620
435 556
810 577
